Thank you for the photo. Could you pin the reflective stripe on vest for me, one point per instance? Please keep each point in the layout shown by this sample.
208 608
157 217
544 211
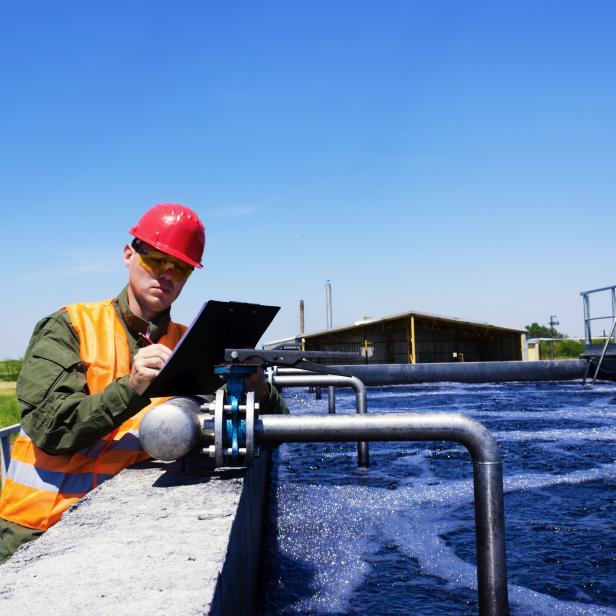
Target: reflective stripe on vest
39 487
52 481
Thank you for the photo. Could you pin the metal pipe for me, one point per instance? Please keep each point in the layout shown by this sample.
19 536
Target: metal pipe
328 304
614 306
290 371
361 398
301 317
597 290
466 372
5 449
604 351
487 473
331 399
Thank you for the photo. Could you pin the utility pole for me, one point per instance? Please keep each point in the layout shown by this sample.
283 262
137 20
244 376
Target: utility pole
553 324
328 303
301 317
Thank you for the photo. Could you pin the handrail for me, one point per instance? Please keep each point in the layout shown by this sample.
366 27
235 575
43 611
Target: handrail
487 473
588 319
297 378
603 352
5 448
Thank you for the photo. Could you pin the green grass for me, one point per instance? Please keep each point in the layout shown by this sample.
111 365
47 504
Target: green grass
9 409
9 369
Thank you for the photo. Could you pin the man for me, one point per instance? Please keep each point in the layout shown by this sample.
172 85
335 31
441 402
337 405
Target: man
85 370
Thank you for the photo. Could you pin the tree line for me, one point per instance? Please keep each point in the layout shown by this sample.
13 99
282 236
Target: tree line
562 349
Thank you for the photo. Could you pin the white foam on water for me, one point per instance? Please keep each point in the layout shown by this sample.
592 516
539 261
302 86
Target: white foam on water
532 603
418 532
600 433
332 529
573 413
335 529
327 530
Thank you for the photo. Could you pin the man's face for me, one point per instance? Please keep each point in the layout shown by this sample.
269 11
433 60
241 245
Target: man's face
155 279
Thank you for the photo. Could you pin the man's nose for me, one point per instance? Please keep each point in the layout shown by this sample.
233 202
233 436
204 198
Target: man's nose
168 271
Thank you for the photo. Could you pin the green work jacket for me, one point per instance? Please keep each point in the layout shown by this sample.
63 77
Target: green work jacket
57 411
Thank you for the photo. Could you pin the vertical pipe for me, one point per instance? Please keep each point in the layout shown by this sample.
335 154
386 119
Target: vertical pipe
328 304
331 314
301 317
361 398
361 408
614 307
331 399
490 538
413 347
317 393
587 328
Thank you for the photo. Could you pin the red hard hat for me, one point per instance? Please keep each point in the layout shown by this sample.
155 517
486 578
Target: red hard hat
173 229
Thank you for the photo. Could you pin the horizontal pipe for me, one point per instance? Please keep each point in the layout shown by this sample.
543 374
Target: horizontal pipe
302 378
466 372
307 379
487 473
381 427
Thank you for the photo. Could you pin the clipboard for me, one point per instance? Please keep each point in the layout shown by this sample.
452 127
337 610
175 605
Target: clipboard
189 370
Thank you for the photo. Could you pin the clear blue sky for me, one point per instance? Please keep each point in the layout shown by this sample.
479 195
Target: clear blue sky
448 157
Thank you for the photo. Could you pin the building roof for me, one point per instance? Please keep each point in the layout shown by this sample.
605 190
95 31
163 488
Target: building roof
394 317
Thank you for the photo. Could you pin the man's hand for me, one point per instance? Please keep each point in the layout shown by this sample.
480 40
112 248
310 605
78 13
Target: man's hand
147 363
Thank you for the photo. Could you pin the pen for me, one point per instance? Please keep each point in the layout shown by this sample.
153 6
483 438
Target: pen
146 338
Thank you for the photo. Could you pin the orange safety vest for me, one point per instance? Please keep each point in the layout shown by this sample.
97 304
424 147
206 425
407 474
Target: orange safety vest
39 487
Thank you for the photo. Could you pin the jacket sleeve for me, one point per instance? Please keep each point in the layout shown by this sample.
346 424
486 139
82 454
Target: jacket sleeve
274 404
57 411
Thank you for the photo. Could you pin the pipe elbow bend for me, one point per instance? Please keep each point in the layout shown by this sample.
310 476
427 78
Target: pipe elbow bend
477 439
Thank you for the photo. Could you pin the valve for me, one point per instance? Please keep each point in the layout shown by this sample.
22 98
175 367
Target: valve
224 427
228 433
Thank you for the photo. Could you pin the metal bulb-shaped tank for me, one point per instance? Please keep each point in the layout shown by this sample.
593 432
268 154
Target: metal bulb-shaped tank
170 429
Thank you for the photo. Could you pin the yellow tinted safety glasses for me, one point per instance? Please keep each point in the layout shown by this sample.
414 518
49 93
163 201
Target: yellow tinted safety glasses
156 263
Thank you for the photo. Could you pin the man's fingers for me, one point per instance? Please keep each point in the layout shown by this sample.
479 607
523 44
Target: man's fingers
154 350
153 361
147 363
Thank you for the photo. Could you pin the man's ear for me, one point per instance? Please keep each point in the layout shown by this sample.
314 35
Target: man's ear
128 253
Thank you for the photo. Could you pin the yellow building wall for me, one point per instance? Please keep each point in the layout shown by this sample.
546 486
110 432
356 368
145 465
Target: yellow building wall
533 351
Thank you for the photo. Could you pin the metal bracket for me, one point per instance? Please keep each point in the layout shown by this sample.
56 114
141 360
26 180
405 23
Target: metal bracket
291 359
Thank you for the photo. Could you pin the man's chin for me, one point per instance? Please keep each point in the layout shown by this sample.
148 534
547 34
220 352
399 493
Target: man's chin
158 303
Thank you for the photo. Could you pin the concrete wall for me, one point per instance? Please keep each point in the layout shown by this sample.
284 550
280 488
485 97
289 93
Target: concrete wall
163 539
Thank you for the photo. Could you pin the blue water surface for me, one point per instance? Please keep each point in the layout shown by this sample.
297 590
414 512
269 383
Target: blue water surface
398 538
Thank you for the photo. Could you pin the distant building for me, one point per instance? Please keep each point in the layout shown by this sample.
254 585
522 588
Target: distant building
414 337
539 348
534 349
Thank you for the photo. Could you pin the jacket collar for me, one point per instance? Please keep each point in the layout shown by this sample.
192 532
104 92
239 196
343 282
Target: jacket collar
155 329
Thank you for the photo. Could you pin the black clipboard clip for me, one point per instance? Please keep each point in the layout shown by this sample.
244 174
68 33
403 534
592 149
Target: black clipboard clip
291 359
